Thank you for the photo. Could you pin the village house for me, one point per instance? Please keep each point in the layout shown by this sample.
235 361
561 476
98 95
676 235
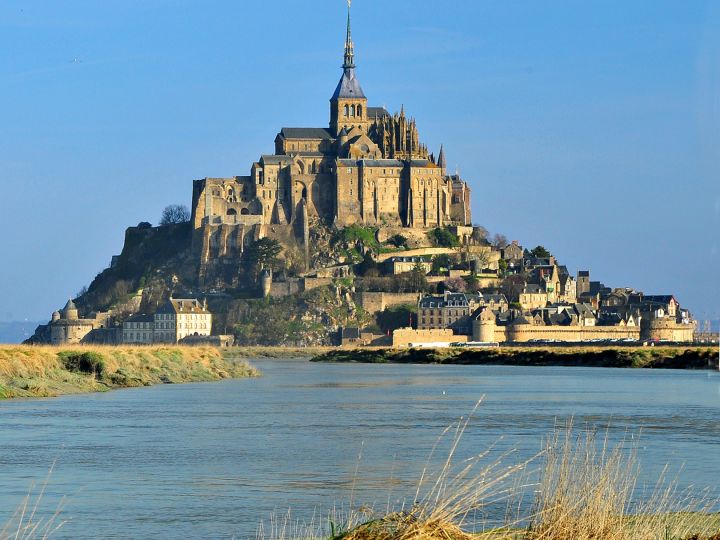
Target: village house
139 329
179 318
402 265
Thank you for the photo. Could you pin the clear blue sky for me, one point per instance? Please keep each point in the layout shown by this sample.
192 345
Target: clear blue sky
590 126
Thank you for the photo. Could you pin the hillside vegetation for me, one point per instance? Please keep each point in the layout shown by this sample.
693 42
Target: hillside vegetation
47 371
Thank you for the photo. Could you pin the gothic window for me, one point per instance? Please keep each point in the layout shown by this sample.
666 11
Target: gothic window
347 111
352 110
232 212
359 110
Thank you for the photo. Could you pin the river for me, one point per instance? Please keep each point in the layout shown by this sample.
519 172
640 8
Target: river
213 460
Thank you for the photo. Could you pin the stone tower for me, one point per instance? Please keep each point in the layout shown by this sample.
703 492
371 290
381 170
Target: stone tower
70 311
484 327
348 105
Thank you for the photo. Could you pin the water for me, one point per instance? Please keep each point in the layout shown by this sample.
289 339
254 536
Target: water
212 460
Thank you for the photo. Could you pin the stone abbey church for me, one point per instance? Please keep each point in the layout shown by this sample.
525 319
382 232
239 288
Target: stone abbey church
367 167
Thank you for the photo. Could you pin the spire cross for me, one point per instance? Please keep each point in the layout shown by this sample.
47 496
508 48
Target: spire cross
349 48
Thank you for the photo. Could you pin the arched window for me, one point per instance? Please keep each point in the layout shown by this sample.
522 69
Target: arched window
359 110
347 111
352 110
232 212
244 211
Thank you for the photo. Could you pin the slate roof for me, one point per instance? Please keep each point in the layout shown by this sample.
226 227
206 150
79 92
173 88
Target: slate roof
183 306
495 298
140 318
348 87
659 299
532 288
307 133
377 112
432 301
420 163
276 160
382 163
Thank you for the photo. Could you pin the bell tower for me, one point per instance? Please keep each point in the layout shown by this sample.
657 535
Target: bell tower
348 105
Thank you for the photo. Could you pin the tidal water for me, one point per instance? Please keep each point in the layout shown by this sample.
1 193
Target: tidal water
214 460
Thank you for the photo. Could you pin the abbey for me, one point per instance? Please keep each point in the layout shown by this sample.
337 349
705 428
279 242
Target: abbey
367 167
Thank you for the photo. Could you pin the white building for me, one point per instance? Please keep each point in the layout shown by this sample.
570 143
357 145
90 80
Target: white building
179 318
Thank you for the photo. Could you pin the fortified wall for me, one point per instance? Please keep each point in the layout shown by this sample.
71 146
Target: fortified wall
403 337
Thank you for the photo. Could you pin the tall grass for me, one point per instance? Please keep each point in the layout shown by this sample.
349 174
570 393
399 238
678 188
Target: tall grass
584 488
44 371
27 523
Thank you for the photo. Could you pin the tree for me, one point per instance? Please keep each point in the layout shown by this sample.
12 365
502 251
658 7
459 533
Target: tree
174 214
443 237
263 252
499 241
413 281
368 266
396 317
540 252
479 234
439 262
455 284
512 286
398 240
502 267
472 284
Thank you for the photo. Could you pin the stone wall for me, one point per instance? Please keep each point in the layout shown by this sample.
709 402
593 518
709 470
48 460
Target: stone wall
403 337
525 332
374 302
285 288
310 283
667 330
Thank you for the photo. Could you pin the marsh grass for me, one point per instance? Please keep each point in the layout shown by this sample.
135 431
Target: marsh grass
579 487
29 522
46 371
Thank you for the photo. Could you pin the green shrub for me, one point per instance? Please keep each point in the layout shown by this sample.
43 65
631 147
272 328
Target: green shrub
444 238
91 363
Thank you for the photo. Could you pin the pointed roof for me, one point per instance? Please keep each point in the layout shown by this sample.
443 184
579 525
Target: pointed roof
70 305
442 163
348 87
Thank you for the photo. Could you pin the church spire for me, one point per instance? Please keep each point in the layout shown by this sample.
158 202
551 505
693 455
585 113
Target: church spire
349 47
441 158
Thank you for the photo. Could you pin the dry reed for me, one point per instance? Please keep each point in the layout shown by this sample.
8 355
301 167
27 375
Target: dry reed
585 491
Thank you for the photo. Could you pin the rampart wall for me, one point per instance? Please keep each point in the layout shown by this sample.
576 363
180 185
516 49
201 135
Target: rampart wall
403 337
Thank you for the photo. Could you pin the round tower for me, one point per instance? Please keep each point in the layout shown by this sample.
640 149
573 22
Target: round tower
70 311
342 142
55 316
484 327
266 282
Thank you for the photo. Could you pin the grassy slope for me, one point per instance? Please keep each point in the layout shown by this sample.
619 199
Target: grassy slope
29 371
637 357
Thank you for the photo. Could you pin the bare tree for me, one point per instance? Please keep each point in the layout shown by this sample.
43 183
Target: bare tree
479 234
499 241
175 213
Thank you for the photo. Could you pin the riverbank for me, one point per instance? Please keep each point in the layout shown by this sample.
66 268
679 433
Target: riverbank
45 371
618 357
260 352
